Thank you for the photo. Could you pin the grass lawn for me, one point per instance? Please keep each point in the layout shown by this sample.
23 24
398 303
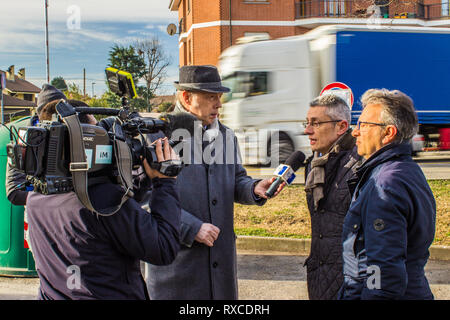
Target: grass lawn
287 215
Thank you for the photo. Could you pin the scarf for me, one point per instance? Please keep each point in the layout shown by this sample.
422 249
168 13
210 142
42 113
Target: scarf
210 132
316 177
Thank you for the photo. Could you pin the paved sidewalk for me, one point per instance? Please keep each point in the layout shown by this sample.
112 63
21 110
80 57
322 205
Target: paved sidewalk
262 276
269 276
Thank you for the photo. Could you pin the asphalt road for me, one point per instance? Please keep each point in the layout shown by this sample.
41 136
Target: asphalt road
434 169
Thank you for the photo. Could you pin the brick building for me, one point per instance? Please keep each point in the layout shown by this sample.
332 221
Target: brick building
207 27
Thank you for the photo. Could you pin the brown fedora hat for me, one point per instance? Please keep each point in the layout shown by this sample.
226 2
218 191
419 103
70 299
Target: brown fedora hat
200 78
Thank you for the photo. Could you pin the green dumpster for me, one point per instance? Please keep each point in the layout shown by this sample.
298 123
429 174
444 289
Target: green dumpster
15 259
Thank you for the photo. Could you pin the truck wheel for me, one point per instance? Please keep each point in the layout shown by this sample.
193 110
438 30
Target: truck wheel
285 147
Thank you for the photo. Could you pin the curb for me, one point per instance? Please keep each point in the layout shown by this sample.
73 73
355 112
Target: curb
431 154
301 247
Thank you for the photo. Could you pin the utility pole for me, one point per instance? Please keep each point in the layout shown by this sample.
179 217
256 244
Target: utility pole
84 82
46 41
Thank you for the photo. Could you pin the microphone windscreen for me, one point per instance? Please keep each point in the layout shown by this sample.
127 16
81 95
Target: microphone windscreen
181 120
296 160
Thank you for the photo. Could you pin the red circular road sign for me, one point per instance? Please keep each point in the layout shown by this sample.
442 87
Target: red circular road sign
340 89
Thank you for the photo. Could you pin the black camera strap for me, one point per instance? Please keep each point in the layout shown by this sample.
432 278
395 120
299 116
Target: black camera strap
79 166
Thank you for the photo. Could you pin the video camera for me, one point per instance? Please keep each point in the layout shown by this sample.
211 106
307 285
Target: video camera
58 156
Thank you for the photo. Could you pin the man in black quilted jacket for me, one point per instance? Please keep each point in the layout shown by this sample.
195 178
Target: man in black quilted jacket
333 162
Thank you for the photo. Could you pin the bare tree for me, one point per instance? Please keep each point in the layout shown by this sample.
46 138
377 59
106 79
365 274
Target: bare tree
157 62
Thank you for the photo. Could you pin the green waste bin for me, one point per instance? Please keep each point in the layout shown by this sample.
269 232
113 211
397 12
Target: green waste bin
15 259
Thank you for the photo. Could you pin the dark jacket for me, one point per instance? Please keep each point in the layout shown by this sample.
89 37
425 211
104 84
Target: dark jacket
15 180
106 249
324 264
15 186
388 229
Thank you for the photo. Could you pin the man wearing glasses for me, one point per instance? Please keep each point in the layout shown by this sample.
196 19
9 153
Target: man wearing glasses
391 221
334 161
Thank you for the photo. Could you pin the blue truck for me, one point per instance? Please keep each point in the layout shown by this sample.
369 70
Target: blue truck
273 81
413 60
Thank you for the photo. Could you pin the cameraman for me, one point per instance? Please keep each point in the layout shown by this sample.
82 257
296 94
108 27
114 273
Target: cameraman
80 255
15 180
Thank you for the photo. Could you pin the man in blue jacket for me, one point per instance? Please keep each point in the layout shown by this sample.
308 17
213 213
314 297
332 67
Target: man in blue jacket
391 221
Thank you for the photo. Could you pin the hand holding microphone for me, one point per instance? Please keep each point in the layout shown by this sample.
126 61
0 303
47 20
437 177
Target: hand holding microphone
286 172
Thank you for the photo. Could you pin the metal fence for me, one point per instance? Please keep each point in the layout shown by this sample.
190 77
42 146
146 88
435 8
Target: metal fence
360 9
323 8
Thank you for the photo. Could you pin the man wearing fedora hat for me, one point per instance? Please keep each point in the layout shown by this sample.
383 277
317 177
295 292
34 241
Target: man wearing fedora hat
205 267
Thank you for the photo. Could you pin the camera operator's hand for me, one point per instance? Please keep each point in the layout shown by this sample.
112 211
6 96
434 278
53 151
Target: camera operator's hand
162 154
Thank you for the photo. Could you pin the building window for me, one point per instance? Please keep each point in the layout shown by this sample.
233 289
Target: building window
188 6
181 27
185 53
445 12
302 9
189 52
384 7
334 8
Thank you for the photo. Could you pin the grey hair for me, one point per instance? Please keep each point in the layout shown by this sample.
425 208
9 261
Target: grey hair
336 107
178 95
398 110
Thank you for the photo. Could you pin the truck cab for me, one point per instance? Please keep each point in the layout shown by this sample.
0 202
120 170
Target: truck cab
271 85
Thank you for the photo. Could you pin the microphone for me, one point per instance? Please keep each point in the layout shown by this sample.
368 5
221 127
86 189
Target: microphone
285 172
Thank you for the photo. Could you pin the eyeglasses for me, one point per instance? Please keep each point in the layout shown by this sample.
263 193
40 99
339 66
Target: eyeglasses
316 124
366 124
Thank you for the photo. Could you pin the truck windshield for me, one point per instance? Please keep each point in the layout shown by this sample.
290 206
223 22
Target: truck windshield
244 84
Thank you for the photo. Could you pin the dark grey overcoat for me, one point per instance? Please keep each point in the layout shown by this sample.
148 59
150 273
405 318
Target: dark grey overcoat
207 194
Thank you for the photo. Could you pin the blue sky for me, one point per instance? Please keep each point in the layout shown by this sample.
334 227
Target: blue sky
81 33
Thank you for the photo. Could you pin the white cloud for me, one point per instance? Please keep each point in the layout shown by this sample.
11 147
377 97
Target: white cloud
23 41
25 11
95 35
23 21
20 41
22 36
162 28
